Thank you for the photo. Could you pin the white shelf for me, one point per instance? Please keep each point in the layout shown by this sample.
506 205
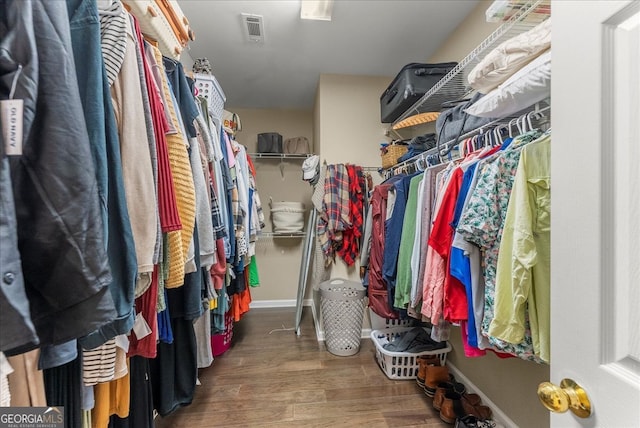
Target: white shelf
454 85
282 235
281 156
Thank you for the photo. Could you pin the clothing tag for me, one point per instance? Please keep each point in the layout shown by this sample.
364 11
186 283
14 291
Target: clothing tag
122 342
141 328
11 117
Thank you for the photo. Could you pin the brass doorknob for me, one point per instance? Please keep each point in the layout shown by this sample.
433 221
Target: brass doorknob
568 396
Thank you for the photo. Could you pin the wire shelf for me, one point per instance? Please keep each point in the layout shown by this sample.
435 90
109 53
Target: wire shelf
540 111
282 235
454 85
280 156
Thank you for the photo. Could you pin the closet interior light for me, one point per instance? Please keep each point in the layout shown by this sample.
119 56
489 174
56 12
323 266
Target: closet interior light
319 10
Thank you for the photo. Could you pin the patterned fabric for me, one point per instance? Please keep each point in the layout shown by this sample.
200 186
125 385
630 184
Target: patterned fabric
335 203
349 248
523 278
481 223
336 198
112 38
98 365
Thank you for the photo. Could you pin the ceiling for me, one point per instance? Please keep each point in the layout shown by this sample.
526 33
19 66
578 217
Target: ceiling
373 38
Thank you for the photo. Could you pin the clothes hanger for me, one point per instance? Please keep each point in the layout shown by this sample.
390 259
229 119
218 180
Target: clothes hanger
498 135
511 122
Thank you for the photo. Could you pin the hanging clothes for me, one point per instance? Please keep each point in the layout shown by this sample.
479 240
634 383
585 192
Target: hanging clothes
481 223
351 237
523 274
105 146
377 290
409 232
56 194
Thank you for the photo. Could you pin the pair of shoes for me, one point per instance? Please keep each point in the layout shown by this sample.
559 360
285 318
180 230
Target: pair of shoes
457 406
434 376
450 386
423 362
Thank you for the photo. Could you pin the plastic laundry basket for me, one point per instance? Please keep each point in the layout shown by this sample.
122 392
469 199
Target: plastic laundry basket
342 305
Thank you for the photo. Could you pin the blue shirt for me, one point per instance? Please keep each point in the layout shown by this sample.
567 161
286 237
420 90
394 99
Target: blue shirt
459 264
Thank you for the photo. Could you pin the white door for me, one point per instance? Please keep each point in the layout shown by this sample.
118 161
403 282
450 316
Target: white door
595 241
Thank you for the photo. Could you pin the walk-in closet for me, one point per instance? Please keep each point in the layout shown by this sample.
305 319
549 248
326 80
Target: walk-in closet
319 213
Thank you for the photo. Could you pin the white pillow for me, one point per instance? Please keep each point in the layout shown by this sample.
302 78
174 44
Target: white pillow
528 86
506 59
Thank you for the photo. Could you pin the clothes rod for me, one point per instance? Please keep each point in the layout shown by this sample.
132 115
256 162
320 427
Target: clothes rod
446 147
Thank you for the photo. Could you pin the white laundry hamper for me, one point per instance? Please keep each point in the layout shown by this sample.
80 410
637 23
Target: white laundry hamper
287 217
342 304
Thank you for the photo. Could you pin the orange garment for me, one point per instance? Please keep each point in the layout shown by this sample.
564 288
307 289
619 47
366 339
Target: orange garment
111 398
240 302
179 240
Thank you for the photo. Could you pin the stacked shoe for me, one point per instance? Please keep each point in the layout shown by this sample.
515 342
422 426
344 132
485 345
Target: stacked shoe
458 406
423 362
449 397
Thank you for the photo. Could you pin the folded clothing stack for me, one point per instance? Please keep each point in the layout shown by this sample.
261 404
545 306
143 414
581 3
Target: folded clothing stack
413 341
419 144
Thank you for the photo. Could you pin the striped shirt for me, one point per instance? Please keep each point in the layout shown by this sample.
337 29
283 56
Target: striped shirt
98 365
113 38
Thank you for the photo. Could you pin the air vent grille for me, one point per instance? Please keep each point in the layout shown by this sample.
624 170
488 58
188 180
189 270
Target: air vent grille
253 27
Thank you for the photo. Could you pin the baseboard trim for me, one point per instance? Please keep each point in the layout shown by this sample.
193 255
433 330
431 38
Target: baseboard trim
498 415
283 303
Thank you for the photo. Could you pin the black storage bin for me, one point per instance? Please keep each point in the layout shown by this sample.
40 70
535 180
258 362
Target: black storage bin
269 142
413 81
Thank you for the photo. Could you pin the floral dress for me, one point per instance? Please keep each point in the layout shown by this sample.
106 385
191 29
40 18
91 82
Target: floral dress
482 222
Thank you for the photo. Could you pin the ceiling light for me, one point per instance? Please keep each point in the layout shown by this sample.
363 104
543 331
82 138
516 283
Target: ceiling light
316 9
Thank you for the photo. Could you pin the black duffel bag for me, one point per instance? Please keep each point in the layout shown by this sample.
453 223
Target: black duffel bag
454 121
269 142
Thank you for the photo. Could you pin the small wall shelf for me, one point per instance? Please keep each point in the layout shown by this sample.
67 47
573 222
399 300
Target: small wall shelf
282 235
281 156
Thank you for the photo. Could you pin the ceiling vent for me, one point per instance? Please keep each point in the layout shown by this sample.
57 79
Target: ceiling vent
253 27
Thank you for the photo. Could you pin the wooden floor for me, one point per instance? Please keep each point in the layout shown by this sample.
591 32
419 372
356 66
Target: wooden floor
277 379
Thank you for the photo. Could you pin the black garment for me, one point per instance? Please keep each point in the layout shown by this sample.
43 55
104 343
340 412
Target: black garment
183 93
141 407
175 370
60 231
63 386
185 302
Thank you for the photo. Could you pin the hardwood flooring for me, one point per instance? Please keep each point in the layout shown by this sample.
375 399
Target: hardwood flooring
273 378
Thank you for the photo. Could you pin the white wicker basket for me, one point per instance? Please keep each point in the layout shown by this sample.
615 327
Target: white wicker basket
401 365
287 216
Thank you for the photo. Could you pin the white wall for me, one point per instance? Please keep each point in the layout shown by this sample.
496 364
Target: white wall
278 259
349 129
